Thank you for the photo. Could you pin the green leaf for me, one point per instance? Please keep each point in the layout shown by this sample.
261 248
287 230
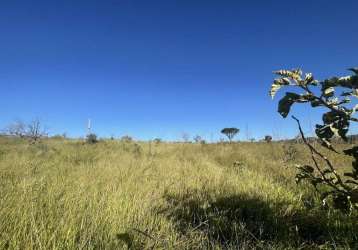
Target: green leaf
329 92
330 117
305 169
348 82
326 171
309 79
294 74
352 152
290 98
352 175
345 81
341 202
354 93
308 168
331 82
316 103
277 84
351 182
355 70
338 124
325 133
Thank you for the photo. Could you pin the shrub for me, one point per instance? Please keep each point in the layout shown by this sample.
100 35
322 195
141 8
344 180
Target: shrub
334 94
126 138
197 139
157 140
268 138
91 138
58 137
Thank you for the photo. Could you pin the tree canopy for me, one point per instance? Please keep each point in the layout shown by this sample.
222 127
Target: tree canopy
230 132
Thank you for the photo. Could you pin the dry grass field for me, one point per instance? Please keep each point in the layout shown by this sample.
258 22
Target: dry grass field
65 194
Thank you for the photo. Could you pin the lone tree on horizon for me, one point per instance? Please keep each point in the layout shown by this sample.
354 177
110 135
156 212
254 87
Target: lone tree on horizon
230 132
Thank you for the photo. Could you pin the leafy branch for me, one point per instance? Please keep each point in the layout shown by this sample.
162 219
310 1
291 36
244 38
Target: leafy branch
336 122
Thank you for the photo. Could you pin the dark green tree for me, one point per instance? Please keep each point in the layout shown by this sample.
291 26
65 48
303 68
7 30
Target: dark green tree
230 132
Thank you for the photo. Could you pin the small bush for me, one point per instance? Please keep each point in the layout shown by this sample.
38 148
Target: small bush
91 138
126 138
197 139
58 137
157 140
268 138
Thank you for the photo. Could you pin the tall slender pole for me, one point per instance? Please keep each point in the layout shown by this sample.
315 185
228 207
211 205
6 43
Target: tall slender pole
89 127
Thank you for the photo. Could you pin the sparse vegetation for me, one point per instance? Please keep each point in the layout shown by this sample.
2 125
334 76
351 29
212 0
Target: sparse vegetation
33 131
63 194
198 139
124 194
17 128
126 138
162 125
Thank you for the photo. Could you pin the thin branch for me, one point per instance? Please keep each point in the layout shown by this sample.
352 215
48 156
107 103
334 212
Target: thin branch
315 151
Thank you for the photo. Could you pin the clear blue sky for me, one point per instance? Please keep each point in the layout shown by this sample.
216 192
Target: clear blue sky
160 68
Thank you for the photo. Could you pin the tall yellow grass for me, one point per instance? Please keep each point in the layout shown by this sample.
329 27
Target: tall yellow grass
64 194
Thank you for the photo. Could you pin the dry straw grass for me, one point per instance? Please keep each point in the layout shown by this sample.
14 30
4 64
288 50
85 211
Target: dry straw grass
63 194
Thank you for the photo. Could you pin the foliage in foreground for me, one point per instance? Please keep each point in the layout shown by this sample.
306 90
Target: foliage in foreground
338 95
